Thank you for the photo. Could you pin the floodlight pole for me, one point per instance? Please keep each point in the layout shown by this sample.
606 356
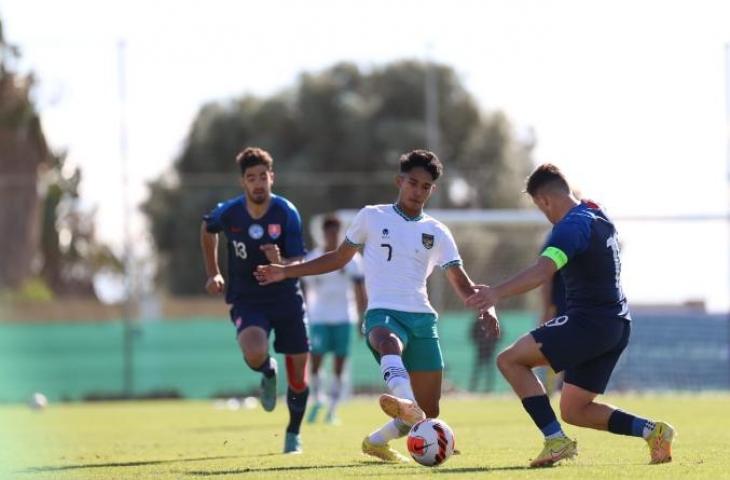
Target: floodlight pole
128 340
433 143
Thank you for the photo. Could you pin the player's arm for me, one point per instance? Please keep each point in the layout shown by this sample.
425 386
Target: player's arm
460 281
361 300
329 262
546 301
528 279
464 288
567 239
273 255
214 283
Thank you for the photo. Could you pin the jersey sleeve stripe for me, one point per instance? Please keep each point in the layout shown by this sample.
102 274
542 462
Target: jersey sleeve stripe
453 263
353 244
556 255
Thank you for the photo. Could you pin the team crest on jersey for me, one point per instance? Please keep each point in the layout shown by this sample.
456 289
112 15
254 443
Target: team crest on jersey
427 240
274 230
255 231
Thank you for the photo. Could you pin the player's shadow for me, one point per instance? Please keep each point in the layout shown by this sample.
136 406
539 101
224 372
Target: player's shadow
481 469
240 471
242 429
80 466
447 471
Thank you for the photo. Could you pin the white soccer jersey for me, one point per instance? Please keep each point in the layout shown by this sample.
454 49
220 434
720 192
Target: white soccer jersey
330 297
399 253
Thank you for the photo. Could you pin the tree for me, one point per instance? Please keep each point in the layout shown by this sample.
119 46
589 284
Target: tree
45 232
69 252
23 151
335 136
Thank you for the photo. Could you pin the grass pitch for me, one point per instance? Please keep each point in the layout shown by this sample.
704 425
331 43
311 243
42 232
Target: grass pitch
193 440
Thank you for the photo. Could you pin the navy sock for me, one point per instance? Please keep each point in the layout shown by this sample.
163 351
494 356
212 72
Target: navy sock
542 414
622 423
297 403
267 368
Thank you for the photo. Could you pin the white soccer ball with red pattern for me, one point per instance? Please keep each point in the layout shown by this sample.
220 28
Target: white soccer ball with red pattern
431 442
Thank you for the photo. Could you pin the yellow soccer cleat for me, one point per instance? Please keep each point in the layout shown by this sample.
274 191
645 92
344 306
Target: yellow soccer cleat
555 449
406 410
384 452
660 443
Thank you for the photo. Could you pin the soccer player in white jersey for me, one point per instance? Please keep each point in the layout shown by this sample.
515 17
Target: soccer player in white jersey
335 301
401 246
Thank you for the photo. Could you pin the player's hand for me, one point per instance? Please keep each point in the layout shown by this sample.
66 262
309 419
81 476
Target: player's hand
271 250
215 284
267 274
491 322
482 299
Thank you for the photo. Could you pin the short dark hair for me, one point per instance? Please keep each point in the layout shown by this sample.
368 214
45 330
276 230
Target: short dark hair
330 221
548 176
424 159
253 156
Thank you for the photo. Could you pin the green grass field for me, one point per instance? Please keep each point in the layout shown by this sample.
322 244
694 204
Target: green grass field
193 440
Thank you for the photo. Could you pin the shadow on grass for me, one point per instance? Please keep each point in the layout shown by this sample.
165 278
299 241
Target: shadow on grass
239 471
121 464
234 428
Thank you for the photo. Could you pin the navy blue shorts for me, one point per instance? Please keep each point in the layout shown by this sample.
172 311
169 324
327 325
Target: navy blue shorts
286 317
586 348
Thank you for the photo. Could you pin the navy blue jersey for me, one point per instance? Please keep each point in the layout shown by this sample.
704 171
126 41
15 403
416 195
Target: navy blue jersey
280 225
557 294
557 289
584 246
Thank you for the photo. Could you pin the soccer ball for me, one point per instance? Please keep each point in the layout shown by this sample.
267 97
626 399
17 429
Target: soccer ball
431 442
37 401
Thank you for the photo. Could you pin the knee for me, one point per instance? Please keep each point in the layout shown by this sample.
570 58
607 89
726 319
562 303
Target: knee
570 415
504 361
255 358
566 415
387 345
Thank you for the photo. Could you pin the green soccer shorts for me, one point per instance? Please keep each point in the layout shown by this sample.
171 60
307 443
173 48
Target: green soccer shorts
333 338
417 331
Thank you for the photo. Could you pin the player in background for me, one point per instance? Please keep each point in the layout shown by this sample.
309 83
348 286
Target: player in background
485 346
585 342
262 228
335 301
401 246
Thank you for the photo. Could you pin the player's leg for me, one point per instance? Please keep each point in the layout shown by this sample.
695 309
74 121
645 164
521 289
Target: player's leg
253 329
386 339
516 364
315 387
341 335
319 338
296 399
427 388
475 373
254 344
487 366
425 364
291 339
578 406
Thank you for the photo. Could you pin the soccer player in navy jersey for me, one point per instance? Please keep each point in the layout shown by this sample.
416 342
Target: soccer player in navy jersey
262 228
553 304
586 341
